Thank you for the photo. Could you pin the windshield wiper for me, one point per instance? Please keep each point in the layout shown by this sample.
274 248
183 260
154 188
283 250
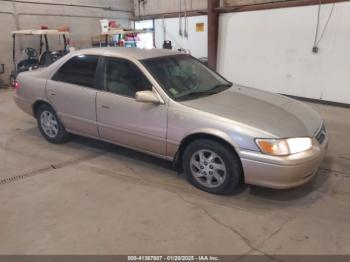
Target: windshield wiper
216 89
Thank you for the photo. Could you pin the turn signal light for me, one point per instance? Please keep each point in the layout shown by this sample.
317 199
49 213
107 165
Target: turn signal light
284 147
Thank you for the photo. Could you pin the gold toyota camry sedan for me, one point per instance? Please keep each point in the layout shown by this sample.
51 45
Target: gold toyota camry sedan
170 105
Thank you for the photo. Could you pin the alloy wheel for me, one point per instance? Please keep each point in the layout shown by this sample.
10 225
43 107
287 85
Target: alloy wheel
49 124
208 168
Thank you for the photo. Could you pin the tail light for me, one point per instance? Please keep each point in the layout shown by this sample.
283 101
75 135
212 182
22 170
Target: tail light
16 85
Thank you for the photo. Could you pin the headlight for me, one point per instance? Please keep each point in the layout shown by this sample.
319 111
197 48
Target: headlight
284 147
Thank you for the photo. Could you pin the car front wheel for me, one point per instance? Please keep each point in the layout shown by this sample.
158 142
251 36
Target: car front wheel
50 126
212 166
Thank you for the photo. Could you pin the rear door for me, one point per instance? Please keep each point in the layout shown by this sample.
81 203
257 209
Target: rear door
72 92
121 118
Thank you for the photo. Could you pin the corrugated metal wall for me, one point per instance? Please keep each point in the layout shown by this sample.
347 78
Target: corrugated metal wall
80 15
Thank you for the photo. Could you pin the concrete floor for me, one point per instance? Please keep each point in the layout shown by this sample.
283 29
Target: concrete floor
89 197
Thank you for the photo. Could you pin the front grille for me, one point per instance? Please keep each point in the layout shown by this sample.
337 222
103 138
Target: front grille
321 134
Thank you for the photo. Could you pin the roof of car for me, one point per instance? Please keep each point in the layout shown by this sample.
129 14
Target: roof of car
135 53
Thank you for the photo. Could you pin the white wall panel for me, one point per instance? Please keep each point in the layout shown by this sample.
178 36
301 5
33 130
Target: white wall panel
197 42
271 50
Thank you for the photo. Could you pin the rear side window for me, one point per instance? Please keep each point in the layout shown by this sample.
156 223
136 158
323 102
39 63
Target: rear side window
79 70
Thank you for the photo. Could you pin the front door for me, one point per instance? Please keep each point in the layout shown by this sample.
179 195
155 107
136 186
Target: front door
72 93
123 120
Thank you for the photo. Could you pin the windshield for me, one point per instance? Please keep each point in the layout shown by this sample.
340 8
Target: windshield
183 77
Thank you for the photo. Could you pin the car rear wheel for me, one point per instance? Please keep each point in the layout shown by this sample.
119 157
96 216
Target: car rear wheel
50 126
212 166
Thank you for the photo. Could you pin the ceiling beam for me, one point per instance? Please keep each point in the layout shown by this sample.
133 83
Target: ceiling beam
170 15
273 5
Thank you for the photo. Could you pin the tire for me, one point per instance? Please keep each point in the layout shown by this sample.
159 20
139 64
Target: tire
50 125
212 167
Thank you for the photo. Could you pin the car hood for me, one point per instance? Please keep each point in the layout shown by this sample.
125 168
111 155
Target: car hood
271 113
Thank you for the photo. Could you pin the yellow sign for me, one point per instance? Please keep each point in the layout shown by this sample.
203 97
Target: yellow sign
199 27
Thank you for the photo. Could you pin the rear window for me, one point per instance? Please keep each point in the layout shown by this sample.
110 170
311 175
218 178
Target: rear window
79 70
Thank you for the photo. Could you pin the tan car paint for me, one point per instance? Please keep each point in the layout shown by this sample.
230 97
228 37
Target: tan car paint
236 116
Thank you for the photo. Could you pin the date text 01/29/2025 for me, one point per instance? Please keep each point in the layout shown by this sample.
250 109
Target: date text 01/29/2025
173 258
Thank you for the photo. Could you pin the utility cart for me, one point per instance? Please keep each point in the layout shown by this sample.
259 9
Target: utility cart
40 57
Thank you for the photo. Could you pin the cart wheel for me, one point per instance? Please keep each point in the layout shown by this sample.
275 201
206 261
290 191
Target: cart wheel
12 80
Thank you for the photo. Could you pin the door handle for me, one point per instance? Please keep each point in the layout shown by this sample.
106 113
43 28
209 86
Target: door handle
105 107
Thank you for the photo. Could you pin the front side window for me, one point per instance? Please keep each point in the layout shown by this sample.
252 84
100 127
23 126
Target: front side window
79 70
183 77
123 77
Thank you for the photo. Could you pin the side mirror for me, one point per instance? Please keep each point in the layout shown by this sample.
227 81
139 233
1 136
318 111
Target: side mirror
147 97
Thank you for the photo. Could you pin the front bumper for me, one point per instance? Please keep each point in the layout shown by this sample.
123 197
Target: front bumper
283 172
